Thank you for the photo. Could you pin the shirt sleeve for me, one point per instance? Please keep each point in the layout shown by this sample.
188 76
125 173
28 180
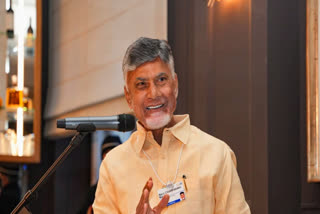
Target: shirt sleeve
229 196
105 198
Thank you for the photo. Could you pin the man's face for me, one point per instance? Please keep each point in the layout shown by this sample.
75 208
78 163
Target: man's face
152 93
182 196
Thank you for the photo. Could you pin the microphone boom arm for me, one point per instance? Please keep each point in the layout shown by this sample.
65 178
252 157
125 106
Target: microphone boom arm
31 194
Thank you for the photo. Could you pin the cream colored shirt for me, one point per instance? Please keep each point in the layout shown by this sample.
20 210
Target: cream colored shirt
208 164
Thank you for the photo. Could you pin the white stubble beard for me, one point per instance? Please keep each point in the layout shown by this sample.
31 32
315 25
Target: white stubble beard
156 123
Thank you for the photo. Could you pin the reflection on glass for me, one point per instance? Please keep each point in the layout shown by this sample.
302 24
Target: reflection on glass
9 146
16 108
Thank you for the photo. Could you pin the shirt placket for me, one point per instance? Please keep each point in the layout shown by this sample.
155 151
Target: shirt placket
155 152
164 164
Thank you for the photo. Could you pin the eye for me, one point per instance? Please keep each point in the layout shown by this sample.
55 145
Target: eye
161 79
140 85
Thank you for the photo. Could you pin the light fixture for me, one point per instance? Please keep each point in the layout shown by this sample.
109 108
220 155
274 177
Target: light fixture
21 34
211 2
7 66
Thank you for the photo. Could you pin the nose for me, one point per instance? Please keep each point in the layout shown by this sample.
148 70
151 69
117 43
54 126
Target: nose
153 91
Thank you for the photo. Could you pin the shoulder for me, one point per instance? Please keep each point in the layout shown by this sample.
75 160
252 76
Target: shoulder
120 153
210 145
202 138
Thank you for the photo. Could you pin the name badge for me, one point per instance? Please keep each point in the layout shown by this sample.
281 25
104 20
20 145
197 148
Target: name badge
175 191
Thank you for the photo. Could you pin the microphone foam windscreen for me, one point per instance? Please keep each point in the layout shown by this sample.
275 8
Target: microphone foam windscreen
127 122
61 123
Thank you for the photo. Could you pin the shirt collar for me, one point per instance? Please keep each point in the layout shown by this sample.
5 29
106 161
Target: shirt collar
181 130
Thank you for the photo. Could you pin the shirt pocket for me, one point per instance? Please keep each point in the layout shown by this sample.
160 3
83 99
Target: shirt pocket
199 194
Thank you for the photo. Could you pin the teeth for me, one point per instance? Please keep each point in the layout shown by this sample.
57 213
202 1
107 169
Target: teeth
155 107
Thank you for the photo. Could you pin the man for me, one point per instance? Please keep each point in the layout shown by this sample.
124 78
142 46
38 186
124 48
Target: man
9 188
166 155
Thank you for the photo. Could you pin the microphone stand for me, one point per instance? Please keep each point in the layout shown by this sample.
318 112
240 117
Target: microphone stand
32 194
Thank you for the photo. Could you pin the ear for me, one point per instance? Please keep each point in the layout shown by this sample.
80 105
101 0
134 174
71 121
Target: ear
128 97
176 88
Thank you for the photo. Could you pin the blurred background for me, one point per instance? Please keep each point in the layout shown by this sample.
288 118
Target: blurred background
241 66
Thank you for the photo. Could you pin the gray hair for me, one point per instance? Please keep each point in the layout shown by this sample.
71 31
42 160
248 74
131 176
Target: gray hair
146 50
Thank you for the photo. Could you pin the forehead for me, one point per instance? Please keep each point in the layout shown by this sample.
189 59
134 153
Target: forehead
149 70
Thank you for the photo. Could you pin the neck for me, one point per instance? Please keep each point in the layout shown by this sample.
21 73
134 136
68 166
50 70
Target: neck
157 135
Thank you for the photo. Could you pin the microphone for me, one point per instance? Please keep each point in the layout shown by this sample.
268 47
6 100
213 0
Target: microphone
122 122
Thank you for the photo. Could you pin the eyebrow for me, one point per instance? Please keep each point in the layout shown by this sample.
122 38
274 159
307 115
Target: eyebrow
162 74
141 79
145 79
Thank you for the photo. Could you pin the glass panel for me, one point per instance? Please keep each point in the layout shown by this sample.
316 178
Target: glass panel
17 109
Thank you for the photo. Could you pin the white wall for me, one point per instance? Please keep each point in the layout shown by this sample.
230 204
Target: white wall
87 42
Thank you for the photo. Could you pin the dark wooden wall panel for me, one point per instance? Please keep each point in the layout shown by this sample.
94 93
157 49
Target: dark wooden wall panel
239 69
213 55
229 82
283 106
259 122
179 26
72 179
67 187
44 203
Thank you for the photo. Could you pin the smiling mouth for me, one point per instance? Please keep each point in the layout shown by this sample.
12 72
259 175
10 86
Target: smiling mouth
154 107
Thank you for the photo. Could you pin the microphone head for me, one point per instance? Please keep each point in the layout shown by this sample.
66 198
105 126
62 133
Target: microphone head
127 122
61 123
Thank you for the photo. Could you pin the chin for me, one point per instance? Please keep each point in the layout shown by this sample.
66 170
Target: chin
158 123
